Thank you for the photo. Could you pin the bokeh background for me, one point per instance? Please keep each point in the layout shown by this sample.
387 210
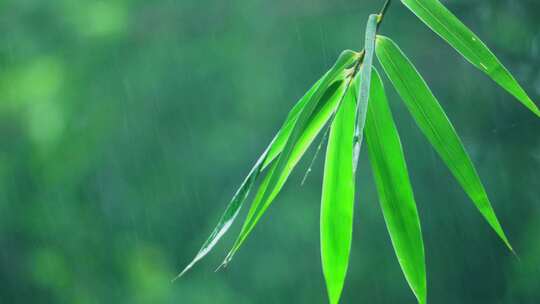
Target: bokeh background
126 126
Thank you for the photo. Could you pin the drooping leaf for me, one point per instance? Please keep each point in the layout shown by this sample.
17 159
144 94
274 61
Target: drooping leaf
320 118
301 136
235 205
394 188
230 213
286 129
337 201
460 37
432 120
365 80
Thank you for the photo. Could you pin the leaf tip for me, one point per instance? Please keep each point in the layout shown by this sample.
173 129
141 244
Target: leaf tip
536 111
509 246
181 274
420 290
221 266
500 232
528 102
334 296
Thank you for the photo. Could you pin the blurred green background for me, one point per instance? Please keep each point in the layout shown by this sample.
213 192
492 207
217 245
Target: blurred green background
126 126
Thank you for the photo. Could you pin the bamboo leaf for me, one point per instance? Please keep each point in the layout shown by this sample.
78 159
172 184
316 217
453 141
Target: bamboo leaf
330 101
338 198
272 151
365 80
230 213
304 131
436 16
286 129
232 210
434 123
395 192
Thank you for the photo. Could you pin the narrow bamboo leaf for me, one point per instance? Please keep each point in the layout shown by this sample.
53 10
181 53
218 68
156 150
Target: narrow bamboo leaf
230 213
260 202
338 198
349 83
434 123
365 80
286 129
301 137
395 191
271 152
319 119
450 28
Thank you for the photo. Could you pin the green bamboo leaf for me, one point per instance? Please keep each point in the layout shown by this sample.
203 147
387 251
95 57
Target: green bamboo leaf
304 131
450 28
395 191
272 151
337 202
365 80
434 123
286 129
319 119
230 214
